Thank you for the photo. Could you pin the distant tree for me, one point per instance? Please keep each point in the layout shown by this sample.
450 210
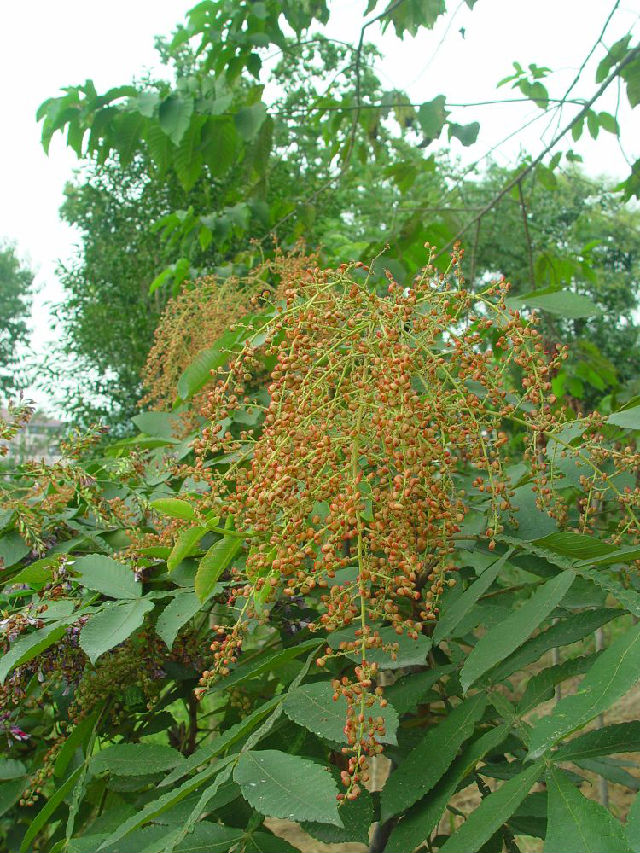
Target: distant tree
15 296
575 237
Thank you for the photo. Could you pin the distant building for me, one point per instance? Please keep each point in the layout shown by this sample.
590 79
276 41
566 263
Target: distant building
39 439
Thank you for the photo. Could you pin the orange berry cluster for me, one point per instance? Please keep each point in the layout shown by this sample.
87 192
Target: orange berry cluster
351 490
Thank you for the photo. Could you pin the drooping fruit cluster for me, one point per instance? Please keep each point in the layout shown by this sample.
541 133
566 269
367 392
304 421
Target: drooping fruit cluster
385 404
191 322
200 314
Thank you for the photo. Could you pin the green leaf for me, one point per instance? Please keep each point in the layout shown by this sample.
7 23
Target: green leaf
187 159
220 743
174 116
540 687
106 575
10 793
632 826
29 646
570 630
613 674
532 521
262 842
466 133
199 809
287 786
619 555
219 144
176 614
111 626
492 812
356 815
576 823
454 614
617 52
78 738
10 768
629 598
208 837
609 123
186 544
406 693
128 759
313 707
12 549
504 638
626 418
160 148
162 277
198 373
174 507
564 303
410 652
35 574
593 125
213 564
49 808
611 769
127 133
620 737
267 662
432 116
575 546
420 821
249 120
161 424
631 76
164 802
429 760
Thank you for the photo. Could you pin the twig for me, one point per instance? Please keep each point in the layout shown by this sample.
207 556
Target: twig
586 60
380 836
603 785
356 113
474 253
527 237
192 734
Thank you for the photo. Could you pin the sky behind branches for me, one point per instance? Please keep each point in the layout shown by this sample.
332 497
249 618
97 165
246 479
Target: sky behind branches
46 46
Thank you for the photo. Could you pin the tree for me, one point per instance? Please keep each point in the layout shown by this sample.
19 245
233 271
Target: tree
15 294
573 252
144 228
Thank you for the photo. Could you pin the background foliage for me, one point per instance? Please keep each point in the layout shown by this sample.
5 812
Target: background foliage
15 293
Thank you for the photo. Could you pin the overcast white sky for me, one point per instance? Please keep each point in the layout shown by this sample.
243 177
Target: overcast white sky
46 45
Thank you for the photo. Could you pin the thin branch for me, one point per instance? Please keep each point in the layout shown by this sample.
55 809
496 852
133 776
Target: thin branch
527 236
474 253
354 125
630 57
588 57
440 44
358 106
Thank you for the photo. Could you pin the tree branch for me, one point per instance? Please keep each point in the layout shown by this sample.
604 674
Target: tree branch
527 237
630 57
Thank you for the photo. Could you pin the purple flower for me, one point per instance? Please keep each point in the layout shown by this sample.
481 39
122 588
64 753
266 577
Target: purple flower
17 733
